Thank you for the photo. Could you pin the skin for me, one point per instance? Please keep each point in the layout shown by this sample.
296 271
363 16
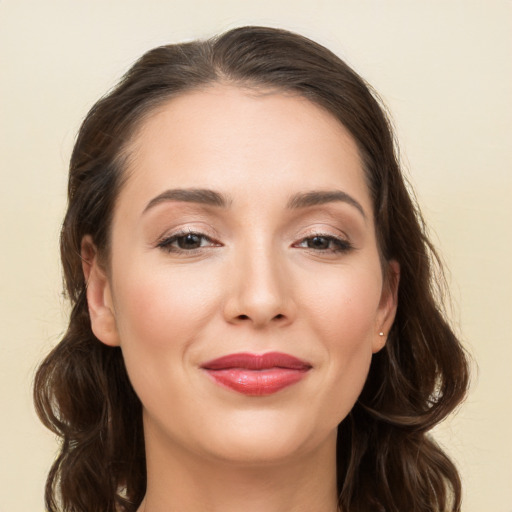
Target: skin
259 281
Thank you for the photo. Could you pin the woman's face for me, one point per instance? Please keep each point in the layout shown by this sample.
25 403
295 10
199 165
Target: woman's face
245 229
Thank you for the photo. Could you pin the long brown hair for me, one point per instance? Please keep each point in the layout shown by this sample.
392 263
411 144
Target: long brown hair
386 460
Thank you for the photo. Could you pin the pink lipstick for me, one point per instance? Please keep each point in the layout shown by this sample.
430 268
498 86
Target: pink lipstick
257 374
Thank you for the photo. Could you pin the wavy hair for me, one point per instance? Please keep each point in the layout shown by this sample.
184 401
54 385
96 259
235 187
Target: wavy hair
386 461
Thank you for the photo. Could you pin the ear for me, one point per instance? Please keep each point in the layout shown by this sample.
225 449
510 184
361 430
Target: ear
387 306
99 297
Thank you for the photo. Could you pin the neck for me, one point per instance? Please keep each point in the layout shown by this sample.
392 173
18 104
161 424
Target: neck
178 480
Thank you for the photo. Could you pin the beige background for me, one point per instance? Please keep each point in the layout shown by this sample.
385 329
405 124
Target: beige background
445 70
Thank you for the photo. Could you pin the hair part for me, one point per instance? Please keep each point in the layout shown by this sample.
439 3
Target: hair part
386 460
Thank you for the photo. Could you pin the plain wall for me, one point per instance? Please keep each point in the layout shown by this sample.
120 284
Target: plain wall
443 67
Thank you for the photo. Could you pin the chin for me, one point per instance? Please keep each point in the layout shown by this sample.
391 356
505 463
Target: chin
267 439
258 450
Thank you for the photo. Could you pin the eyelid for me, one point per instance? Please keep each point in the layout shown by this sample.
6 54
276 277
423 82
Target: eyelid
342 243
187 227
323 229
165 242
340 239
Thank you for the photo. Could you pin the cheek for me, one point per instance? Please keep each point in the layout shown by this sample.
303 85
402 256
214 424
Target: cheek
160 314
343 306
343 312
163 307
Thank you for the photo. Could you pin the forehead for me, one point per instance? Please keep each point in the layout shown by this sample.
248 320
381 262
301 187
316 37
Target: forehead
241 139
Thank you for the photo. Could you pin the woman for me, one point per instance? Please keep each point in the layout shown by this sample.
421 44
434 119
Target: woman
256 321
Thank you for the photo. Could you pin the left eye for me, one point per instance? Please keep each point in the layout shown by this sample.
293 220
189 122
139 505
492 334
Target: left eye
325 243
185 242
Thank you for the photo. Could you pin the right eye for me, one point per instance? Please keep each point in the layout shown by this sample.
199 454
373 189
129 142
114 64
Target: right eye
186 242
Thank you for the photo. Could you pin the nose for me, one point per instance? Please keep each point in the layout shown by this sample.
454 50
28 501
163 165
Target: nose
259 294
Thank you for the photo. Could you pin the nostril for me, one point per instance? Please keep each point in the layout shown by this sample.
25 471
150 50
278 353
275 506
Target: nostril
246 317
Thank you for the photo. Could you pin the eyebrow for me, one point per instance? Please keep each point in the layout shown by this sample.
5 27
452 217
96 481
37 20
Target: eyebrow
190 195
319 197
213 198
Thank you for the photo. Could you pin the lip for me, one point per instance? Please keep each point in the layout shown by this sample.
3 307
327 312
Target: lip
257 374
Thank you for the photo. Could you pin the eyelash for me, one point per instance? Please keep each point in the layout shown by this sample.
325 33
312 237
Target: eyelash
341 245
167 243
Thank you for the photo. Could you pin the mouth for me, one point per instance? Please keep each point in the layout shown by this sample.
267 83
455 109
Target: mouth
257 374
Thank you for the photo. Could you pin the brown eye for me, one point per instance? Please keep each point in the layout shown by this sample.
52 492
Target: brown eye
325 243
186 242
190 241
319 242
